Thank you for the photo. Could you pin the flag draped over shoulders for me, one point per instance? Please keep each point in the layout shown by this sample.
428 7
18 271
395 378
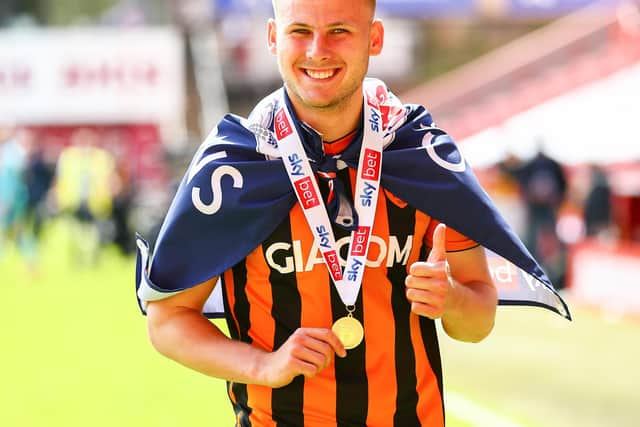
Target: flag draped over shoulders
236 192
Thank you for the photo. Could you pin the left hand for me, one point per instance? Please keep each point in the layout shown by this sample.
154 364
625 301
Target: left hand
429 284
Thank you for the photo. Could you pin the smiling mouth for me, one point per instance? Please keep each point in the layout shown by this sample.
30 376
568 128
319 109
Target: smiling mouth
320 74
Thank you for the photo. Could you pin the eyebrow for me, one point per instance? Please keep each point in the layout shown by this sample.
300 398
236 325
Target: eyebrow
340 24
332 25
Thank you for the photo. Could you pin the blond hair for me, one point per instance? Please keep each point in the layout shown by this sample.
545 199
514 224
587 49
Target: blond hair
372 3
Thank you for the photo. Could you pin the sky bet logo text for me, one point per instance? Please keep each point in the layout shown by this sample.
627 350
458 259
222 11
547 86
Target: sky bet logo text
323 236
371 164
296 164
360 241
333 262
354 268
282 126
374 121
366 197
306 193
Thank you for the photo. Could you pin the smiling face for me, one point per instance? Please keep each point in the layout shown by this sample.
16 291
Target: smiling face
323 49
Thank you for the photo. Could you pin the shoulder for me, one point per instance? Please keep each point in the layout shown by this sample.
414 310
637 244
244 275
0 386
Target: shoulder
249 138
414 123
455 241
240 139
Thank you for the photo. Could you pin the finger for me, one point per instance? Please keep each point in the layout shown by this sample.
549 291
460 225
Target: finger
438 251
426 310
305 349
303 367
327 336
425 297
420 270
310 357
427 277
320 350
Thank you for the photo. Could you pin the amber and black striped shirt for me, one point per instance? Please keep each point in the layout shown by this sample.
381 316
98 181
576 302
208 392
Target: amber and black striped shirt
394 378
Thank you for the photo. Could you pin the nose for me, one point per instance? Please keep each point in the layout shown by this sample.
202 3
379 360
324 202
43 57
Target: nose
317 49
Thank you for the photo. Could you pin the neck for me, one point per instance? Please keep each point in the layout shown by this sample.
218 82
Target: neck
331 123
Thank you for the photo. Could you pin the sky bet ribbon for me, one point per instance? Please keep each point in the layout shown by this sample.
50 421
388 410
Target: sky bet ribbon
348 282
236 192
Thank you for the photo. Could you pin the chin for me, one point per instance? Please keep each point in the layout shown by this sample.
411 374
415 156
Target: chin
319 102
315 100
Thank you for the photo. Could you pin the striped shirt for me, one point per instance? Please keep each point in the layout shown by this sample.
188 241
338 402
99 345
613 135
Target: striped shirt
393 378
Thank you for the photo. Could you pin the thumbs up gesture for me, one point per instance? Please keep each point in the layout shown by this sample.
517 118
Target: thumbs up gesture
429 283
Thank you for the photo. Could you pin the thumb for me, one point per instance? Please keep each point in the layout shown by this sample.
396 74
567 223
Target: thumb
438 251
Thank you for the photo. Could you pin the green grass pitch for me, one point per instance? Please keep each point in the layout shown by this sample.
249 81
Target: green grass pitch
75 353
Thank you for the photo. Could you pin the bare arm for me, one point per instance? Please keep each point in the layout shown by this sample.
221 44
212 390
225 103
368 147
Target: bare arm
465 301
471 308
179 331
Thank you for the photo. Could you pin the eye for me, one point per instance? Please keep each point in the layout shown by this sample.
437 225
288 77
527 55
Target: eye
339 31
301 31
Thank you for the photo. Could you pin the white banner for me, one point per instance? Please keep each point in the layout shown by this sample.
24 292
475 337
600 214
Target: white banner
606 276
595 123
91 75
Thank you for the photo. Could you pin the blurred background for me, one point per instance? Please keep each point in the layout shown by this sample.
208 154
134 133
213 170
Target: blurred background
103 103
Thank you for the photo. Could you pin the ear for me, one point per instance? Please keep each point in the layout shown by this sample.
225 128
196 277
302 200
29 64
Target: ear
376 41
272 33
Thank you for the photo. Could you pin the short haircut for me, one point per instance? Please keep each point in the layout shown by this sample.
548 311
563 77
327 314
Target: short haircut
371 2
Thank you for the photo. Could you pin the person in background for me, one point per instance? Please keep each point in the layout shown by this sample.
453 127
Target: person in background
13 188
543 186
38 176
123 191
84 184
597 205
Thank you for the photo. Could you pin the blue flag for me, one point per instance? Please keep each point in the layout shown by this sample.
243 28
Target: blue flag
236 191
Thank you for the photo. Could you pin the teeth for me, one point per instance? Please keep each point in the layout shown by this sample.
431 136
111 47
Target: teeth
320 74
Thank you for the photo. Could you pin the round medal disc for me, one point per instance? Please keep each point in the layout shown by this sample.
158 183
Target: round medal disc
349 331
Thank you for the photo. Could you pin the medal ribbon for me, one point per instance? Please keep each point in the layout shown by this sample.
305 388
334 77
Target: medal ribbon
301 175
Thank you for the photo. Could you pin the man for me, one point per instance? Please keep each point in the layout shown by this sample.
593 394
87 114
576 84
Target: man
85 179
13 189
544 187
306 280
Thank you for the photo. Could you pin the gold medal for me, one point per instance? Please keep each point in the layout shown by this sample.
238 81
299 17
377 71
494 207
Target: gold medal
349 331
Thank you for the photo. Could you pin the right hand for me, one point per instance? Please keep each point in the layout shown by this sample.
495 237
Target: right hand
306 352
429 283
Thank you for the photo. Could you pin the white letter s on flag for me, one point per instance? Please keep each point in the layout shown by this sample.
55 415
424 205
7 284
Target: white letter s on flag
216 187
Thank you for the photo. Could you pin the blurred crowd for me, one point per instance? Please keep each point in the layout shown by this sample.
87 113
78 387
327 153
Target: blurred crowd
554 206
84 183
88 184
104 185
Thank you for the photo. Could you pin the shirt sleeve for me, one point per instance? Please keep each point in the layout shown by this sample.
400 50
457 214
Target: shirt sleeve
454 241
